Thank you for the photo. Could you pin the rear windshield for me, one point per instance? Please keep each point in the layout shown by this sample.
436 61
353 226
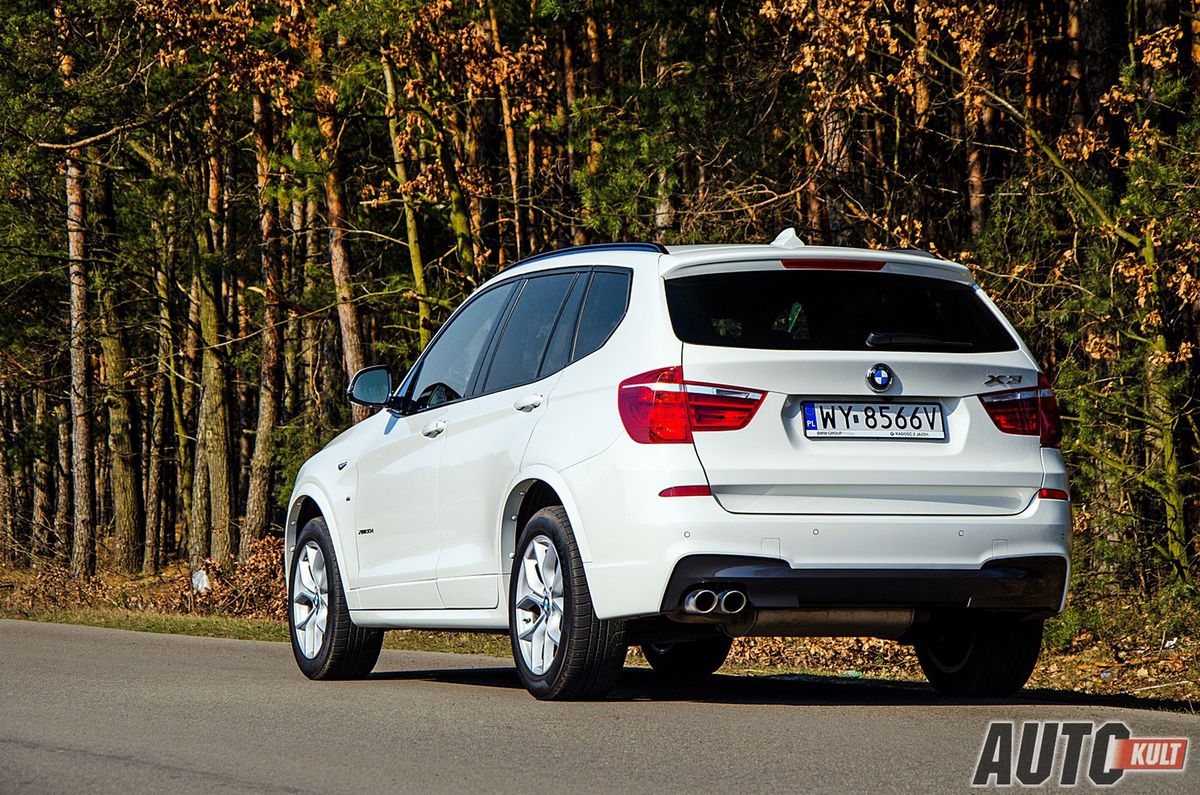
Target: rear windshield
833 310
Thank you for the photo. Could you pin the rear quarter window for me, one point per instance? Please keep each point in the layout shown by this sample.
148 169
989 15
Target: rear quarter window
603 308
833 310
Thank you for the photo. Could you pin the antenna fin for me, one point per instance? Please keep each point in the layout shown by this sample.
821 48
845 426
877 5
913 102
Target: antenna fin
788 239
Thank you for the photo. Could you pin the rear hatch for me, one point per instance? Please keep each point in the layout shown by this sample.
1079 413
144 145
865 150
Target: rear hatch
872 382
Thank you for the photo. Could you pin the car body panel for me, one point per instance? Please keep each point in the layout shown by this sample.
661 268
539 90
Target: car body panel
398 547
485 444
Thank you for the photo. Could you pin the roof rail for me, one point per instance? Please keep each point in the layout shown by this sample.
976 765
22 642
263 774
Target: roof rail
653 248
917 251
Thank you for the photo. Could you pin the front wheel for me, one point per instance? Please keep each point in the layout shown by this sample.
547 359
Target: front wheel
562 650
980 656
325 642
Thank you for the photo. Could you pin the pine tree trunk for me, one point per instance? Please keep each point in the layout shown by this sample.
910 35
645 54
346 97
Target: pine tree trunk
19 525
424 317
1075 63
9 550
169 363
200 520
61 543
215 393
510 139
339 256
566 112
125 458
1031 66
43 498
215 420
835 129
83 549
460 219
469 135
972 56
259 491
662 204
296 263
243 444
152 558
596 79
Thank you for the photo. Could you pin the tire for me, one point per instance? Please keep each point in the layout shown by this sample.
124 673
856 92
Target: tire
980 656
688 659
587 661
342 650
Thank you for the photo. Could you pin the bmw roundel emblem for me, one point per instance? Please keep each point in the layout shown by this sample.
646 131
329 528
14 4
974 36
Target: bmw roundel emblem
880 377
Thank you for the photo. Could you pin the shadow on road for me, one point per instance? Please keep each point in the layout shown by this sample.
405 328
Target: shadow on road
638 684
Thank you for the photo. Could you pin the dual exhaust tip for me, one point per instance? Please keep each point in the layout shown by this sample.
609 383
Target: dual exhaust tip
703 601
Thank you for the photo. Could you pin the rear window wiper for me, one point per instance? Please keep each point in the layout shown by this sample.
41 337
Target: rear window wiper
887 339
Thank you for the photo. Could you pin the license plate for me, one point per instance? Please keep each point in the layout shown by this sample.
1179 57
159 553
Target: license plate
874 421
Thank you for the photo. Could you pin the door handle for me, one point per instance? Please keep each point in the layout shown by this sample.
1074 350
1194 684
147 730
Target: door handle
432 429
528 403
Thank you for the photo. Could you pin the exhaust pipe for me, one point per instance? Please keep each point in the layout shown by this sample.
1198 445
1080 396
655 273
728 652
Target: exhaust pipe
700 602
731 602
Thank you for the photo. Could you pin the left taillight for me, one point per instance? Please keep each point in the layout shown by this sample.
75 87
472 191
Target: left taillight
659 407
1028 412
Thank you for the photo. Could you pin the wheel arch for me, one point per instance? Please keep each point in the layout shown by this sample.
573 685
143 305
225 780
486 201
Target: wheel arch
536 488
308 502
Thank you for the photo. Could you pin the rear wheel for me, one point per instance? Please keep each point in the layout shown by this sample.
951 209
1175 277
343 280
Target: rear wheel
561 649
982 656
325 642
688 659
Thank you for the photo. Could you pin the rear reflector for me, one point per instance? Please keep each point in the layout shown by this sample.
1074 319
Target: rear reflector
1027 412
660 407
833 264
1053 494
686 491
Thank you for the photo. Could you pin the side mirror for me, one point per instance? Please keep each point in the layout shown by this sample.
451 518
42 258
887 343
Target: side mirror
371 386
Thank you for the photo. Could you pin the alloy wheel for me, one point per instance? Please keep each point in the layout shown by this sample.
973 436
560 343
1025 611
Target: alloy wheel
310 600
539 608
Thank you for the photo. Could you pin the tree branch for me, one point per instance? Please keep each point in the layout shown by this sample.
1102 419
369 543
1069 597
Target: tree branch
132 125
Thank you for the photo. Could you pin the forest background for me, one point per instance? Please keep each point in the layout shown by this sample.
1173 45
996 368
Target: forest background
212 212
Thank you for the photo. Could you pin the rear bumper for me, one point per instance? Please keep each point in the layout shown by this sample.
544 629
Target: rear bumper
632 540
1029 584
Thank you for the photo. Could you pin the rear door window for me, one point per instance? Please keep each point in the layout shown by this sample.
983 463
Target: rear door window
519 351
833 310
603 308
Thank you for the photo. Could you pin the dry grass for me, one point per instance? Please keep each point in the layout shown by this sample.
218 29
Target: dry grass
1124 647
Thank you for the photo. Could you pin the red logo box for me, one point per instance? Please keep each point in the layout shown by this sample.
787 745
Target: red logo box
1150 753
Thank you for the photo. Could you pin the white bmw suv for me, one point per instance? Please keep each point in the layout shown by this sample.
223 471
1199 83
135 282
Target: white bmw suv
675 446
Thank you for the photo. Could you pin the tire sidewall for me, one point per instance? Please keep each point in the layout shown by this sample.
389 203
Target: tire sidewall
966 632
1001 655
315 531
543 524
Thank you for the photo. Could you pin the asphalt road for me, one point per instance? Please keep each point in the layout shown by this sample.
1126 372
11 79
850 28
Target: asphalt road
95 710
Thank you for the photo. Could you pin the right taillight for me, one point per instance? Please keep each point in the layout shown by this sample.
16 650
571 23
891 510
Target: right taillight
660 407
1028 412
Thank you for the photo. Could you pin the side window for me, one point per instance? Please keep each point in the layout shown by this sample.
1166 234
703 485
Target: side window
558 352
449 364
519 351
607 299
